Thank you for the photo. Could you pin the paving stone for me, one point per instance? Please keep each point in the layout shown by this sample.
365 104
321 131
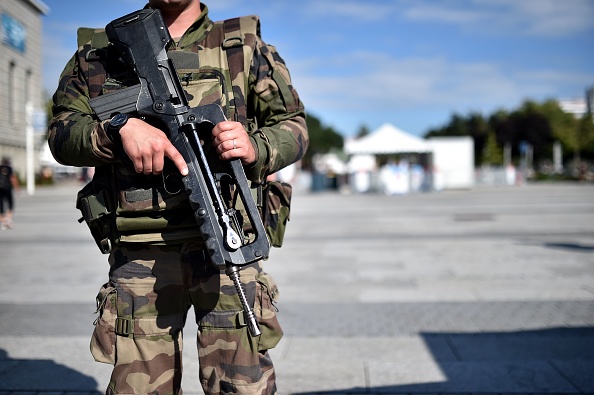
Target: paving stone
483 291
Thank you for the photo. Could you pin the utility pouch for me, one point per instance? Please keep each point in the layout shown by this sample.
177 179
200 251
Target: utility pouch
96 207
276 208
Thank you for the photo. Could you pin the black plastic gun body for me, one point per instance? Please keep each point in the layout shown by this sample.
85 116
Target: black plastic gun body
141 39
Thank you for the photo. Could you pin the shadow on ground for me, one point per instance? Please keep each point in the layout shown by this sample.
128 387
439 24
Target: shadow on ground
559 361
42 375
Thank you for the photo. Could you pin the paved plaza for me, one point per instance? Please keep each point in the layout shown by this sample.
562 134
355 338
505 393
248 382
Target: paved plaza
482 291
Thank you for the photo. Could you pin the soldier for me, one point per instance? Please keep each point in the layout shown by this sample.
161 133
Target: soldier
158 266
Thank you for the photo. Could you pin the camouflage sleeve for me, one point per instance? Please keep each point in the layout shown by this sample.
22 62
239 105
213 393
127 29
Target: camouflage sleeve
281 138
75 136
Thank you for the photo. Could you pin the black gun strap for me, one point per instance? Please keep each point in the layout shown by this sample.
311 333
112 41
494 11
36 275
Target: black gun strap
233 47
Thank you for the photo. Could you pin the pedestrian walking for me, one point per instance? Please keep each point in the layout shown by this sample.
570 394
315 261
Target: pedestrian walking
8 184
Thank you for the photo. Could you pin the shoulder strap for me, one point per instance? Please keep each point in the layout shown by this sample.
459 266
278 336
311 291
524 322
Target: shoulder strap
239 32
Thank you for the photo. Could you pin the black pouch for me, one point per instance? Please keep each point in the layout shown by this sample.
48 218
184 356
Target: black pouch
276 210
95 204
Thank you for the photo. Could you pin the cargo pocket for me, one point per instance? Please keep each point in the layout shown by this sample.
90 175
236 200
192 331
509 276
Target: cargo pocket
103 341
265 309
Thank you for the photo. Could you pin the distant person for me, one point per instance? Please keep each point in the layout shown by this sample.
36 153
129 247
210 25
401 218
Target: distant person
159 265
8 183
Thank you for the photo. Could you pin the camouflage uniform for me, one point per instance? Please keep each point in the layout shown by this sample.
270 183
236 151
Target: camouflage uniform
158 268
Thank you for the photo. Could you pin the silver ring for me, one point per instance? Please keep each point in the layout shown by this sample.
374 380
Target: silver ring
234 145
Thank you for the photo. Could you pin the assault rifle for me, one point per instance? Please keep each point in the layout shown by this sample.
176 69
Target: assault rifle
141 39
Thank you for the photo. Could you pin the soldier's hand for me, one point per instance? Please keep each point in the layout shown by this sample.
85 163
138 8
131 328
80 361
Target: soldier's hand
231 141
148 146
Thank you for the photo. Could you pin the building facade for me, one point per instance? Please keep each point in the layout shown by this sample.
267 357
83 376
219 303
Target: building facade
21 87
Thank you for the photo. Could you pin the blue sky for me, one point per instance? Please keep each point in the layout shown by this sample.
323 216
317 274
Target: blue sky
412 63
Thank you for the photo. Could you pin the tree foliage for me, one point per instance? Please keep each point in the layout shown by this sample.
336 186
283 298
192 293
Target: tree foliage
536 124
492 153
473 125
585 134
322 139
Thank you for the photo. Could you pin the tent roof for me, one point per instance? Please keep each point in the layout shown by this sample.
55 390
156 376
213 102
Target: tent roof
388 139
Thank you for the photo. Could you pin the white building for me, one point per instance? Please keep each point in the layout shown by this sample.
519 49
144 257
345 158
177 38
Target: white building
21 88
575 106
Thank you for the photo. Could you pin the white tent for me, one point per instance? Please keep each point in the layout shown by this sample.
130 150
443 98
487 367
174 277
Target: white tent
388 139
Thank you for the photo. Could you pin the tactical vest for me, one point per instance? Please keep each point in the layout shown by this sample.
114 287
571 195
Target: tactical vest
214 70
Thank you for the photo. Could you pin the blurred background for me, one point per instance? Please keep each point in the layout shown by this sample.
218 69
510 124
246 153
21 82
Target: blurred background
402 96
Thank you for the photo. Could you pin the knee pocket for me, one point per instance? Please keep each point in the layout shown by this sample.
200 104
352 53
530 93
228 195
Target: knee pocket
111 328
226 319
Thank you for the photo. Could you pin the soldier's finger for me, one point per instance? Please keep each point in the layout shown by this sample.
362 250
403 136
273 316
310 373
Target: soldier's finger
223 127
172 153
137 162
147 165
158 163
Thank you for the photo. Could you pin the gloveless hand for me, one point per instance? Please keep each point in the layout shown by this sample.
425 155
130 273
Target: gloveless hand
147 147
231 141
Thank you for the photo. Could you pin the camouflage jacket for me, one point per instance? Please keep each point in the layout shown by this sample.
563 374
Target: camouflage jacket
274 117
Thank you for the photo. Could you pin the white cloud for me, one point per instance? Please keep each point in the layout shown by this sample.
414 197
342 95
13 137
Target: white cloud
436 12
359 10
554 18
415 83
545 18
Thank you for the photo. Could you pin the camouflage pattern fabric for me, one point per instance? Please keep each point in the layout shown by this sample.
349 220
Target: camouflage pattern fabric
142 310
274 115
276 210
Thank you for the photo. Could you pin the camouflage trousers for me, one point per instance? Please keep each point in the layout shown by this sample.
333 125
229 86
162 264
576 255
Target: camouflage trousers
142 312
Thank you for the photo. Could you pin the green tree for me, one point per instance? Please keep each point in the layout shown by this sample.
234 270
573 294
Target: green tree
501 125
478 128
538 124
456 127
532 125
492 153
473 125
584 137
322 139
